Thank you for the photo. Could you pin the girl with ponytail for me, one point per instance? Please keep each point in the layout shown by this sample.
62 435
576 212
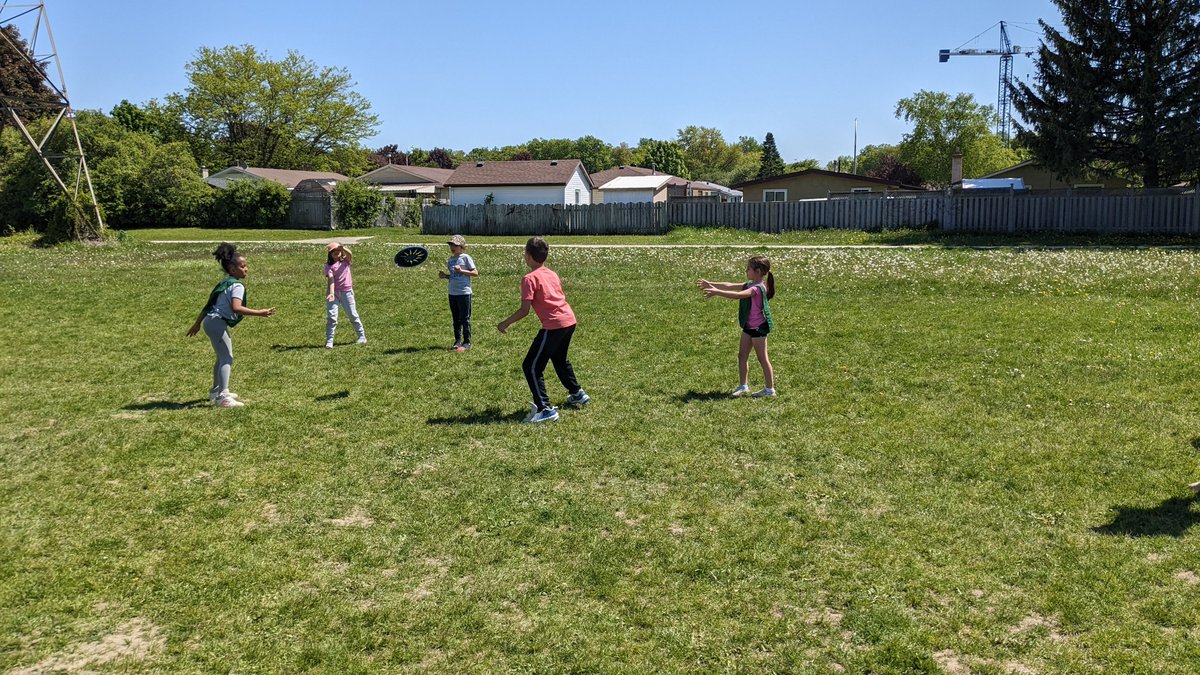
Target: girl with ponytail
754 315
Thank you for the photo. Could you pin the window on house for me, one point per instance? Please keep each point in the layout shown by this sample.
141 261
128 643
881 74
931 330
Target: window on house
774 195
860 189
577 198
1089 186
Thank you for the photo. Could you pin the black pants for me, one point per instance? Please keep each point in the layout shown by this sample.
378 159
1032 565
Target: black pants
549 345
460 310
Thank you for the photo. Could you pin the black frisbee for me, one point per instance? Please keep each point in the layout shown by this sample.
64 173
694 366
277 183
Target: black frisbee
411 256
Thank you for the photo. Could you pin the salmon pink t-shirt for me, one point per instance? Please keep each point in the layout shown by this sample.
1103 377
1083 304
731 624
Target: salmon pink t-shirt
543 290
342 280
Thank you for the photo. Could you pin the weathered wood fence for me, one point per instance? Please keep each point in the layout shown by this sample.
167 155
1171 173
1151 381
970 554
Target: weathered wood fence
975 211
545 219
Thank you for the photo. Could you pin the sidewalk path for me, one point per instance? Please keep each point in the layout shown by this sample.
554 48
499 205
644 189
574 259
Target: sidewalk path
345 241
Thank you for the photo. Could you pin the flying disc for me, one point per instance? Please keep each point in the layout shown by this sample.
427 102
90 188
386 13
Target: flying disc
411 256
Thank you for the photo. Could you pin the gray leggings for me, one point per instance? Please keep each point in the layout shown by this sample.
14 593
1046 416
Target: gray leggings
218 333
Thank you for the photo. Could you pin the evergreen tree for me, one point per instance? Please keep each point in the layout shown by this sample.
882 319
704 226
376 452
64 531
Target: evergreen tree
772 163
1120 90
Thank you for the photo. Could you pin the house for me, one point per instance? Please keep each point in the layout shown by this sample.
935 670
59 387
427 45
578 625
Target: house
712 191
547 181
676 185
410 181
1038 177
634 189
285 177
813 184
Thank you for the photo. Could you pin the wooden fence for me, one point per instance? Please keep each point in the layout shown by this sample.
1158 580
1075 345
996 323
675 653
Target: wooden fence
1089 211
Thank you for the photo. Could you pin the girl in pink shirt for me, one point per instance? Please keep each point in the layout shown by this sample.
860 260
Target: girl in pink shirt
542 292
754 314
340 291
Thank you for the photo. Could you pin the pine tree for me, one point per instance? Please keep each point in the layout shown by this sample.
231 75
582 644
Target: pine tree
772 163
1120 91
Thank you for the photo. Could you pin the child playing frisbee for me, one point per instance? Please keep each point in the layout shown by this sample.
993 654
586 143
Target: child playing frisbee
459 270
340 291
754 314
542 291
224 309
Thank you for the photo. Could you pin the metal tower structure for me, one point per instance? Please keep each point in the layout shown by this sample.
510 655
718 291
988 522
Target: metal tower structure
1006 52
54 105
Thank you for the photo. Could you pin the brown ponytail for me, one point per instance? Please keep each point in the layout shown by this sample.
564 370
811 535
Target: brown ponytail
762 264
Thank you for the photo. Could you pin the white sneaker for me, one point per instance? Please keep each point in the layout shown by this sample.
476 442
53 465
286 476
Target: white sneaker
329 344
213 395
765 392
742 390
361 341
227 401
547 415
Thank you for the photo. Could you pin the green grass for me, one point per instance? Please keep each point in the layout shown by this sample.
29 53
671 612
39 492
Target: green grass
977 460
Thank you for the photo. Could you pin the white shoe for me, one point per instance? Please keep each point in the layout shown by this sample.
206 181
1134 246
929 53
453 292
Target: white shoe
362 341
765 392
213 395
742 390
329 345
227 401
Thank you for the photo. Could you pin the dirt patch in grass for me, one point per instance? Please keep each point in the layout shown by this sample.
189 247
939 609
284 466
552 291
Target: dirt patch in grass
356 518
1188 577
137 639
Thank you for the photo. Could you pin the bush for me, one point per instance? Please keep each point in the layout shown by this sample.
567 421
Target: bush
412 213
356 204
254 204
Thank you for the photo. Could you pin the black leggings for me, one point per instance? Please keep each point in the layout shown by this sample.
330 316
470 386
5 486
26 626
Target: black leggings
549 345
460 311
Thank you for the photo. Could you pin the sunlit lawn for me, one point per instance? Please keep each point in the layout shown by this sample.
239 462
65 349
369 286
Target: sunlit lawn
976 464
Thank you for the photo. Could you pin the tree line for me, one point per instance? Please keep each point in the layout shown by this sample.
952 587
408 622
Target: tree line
1127 104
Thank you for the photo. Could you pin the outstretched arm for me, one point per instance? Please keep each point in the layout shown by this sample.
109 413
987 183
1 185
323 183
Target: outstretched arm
521 313
239 308
723 293
703 284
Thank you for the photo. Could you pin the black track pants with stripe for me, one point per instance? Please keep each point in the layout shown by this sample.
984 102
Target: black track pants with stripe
549 345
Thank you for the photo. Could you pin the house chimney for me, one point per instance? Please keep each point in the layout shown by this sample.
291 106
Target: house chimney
203 172
554 162
956 169
621 167
478 164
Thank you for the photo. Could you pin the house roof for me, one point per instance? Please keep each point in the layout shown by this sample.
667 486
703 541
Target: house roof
1018 165
286 177
636 182
705 185
602 177
403 173
821 172
521 172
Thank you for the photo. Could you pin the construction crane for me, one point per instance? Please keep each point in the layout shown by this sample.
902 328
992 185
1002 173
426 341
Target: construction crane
1006 52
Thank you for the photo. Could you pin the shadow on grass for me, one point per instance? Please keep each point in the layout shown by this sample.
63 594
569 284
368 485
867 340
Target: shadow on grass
166 405
702 396
489 416
1196 443
345 393
292 348
1173 517
416 350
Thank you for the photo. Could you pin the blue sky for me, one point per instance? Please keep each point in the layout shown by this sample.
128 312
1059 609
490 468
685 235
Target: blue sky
463 74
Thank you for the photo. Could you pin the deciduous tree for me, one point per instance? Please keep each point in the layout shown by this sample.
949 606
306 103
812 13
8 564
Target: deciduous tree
943 125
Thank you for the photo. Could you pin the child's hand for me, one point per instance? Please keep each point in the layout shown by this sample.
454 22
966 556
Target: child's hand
269 312
502 327
329 298
710 291
458 268
194 329
703 283
443 275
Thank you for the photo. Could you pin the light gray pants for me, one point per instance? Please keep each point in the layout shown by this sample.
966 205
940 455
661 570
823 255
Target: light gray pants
218 334
346 300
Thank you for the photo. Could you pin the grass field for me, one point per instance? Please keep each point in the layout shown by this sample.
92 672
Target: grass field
977 463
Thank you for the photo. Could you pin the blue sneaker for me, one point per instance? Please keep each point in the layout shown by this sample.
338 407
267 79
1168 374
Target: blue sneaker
578 399
547 415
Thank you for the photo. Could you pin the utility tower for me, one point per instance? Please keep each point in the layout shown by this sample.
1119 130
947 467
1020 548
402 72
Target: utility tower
47 100
1006 51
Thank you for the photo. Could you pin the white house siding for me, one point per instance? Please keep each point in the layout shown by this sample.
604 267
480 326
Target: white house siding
578 182
546 194
627 196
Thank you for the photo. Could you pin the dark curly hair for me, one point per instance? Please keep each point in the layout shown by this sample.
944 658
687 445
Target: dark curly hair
538 249
226 254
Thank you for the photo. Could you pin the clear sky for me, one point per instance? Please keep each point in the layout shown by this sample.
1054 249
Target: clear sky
463 74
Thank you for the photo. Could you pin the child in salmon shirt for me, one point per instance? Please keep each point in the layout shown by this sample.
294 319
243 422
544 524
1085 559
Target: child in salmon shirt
542 292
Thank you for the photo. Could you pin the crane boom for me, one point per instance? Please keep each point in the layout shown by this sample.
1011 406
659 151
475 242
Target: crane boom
1003 101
